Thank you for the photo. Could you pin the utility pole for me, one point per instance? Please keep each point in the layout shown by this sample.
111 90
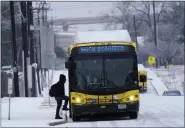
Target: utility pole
40 56
44 22
155 32
155 28
44 12
37 61
40 9
184 32
32 60
184 24
38 78
24 45
15 68
135 29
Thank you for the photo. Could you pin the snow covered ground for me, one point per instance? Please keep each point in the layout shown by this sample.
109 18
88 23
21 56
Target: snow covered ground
155 111
173 77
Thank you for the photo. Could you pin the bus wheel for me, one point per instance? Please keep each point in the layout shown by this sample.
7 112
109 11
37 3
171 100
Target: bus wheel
75 117
133 115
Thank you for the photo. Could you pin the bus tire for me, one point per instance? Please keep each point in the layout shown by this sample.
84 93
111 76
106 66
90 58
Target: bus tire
133 115
75 117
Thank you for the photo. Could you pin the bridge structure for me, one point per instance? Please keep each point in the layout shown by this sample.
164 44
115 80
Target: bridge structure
65 39
66 22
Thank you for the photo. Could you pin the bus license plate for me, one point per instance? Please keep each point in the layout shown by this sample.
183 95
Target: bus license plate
122 106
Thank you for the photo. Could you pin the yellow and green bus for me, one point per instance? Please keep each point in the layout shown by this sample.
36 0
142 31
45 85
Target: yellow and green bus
103 78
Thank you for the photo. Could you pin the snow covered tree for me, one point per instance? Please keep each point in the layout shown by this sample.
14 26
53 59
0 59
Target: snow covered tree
170 28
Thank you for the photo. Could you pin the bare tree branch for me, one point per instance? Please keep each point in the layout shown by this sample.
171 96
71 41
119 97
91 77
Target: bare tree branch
138 25
120 9
159 14
140 10
146 21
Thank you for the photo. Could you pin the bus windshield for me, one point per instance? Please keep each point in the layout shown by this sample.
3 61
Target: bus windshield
105 74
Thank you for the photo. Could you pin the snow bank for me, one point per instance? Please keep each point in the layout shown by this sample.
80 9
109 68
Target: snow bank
98 36
156 82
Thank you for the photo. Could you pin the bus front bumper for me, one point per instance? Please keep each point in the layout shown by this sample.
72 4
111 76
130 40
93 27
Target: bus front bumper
105 108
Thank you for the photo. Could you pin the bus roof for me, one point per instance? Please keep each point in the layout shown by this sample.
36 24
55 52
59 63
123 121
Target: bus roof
102 36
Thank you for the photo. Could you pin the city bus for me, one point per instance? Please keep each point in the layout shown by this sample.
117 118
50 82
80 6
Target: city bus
103 78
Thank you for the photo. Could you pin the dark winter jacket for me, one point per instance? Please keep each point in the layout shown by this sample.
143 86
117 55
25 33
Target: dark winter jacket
58 88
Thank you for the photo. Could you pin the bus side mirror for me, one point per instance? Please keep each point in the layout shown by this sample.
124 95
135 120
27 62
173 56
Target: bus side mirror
69 64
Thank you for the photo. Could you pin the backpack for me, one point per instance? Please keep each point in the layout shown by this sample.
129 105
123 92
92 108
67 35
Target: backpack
52 91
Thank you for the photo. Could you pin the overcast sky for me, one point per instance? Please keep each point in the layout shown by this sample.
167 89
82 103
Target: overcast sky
80 9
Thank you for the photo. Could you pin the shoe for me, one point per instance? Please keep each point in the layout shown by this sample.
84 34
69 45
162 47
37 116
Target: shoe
58 117
65 108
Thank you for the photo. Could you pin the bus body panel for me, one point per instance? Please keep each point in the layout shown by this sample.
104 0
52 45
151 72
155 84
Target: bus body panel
81 98
88 104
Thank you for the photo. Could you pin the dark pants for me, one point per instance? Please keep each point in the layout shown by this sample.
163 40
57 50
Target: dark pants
59 103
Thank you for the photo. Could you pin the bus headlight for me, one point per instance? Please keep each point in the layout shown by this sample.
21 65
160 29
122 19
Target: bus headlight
131 98
78 100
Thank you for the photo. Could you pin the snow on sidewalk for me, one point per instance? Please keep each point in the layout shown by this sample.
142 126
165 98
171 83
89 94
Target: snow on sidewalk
25 112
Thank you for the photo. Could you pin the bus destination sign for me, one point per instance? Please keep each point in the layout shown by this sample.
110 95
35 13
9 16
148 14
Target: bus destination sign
103 49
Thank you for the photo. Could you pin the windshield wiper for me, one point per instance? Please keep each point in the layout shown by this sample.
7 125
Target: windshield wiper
82 77
109 81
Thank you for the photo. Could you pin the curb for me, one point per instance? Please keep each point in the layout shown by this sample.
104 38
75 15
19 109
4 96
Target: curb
154 88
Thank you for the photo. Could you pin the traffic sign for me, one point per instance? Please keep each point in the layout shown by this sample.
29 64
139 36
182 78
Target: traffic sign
10 87
170 65
151 60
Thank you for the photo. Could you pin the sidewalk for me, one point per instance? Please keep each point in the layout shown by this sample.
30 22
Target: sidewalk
26 112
